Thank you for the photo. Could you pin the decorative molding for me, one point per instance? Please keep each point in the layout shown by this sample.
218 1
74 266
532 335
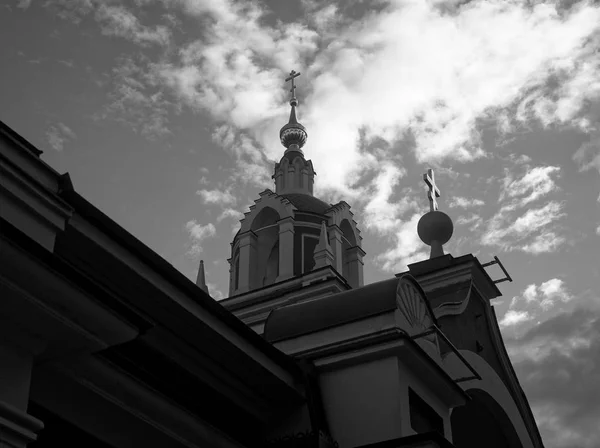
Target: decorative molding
413 305
267 199
453 308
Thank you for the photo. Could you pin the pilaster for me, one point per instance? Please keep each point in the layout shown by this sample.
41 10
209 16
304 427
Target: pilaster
247 261
286 248
335 240
355 266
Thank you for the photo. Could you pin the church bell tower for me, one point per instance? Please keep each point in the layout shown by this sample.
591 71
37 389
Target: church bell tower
292 246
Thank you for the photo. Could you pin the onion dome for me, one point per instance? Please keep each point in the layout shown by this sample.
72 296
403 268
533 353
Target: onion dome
293 133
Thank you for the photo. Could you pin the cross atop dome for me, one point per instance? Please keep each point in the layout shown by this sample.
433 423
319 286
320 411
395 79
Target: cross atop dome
293 75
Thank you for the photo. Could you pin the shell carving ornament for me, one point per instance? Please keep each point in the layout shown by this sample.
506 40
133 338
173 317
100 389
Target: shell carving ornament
412 304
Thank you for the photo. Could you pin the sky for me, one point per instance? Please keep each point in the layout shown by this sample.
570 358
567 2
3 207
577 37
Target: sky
166 114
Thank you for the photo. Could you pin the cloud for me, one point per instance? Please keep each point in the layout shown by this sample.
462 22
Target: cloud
458 201
474 221
379 214
120 22
513 317
536 182
406 247
545 242
535 299
552 291
217 197
530 293
510 234
58 135
230 213
558 366
137 100
197 234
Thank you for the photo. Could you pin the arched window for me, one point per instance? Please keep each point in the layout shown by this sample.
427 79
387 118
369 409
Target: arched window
265 226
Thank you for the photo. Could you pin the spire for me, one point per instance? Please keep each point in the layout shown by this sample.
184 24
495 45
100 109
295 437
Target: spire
323 252
200 280
435 228
293 135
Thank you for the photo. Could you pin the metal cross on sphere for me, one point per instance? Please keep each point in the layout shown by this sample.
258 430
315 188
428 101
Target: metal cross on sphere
433 191
293 75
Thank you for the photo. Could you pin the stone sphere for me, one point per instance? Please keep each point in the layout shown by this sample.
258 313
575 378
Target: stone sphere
435 226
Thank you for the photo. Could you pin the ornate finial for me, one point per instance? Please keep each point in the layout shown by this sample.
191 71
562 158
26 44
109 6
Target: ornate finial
435 228
201 280
323 254
293 135
433 191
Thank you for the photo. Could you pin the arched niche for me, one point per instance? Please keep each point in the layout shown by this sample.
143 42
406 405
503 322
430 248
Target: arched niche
490 398
268 199
265 227
348 242
482 422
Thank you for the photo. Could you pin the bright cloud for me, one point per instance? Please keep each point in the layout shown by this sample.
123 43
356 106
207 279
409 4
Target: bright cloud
230 213
536 183
460 202
553 291
198 233
217 197
379 213
513 234
513 317
544 296
407 248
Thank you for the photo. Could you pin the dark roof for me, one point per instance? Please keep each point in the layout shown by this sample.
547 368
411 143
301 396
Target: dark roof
168 272
8 132
307 203
295 320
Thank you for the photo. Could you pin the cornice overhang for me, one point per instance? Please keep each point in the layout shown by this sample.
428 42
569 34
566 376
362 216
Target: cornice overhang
29 194
444 271
378 344
287 286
